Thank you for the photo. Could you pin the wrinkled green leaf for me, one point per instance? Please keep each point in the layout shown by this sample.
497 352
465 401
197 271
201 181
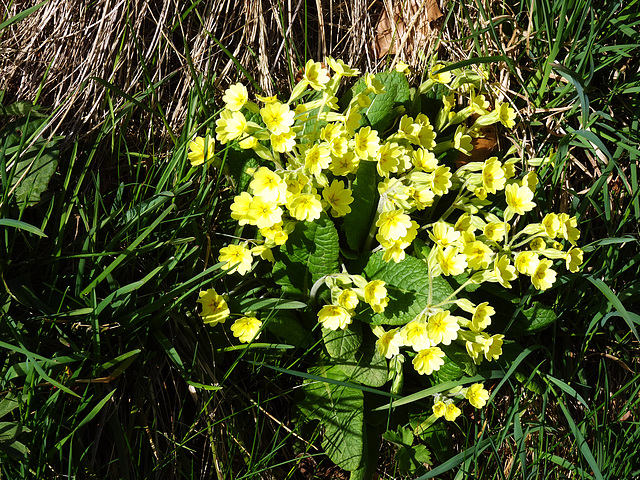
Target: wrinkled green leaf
365 200
340 411
407 288
311 252
33 173
342 343
457 363
286 326
409 458
396 92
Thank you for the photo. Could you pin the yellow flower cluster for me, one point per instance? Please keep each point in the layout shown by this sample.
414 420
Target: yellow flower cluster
314 150
444 405
346 292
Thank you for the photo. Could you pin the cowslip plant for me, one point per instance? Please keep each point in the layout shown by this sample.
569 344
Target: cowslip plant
360 207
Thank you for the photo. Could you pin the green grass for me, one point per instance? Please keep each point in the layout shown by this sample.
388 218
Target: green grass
107 371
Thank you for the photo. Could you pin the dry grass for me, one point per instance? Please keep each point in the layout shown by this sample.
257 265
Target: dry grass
52 56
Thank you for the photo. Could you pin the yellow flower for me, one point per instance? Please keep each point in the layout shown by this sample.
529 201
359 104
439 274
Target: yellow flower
373 85
342 68
264 252
428 360
426 136
568 229
450 261
530 180
375 293
478 255
402 67
240 208
442 328
338 197
519 200
505 272
393 250
344 165
235 97
444 77
537 244
334 317
452 412
441 180
275 233
393 225
246 329
269 186
230 126
214 307
263 213
506 114
197 155
367 143
285 142
388 159
444 234
573 259
495 231
493 178
424 160
492 346
389 343
348 299
543 277
277 117
414 334
351 119
462 141
477 395
527 262
481 318
305 207
237 258
439 408
315 75
317 158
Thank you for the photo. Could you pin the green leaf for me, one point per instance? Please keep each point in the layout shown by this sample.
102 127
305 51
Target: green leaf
340 411
310 253
35 166
8 222
342 343
407 288
379 114
457 364
539 317
359 360
9 431
286 326
365 199
396 92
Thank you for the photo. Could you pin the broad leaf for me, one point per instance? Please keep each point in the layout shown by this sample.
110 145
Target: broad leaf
365 199
35 166
379 113
340 411
311 252
343 344
457 364
407 288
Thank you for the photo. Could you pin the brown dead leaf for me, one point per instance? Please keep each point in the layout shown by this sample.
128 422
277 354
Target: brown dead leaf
483 146
417 17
